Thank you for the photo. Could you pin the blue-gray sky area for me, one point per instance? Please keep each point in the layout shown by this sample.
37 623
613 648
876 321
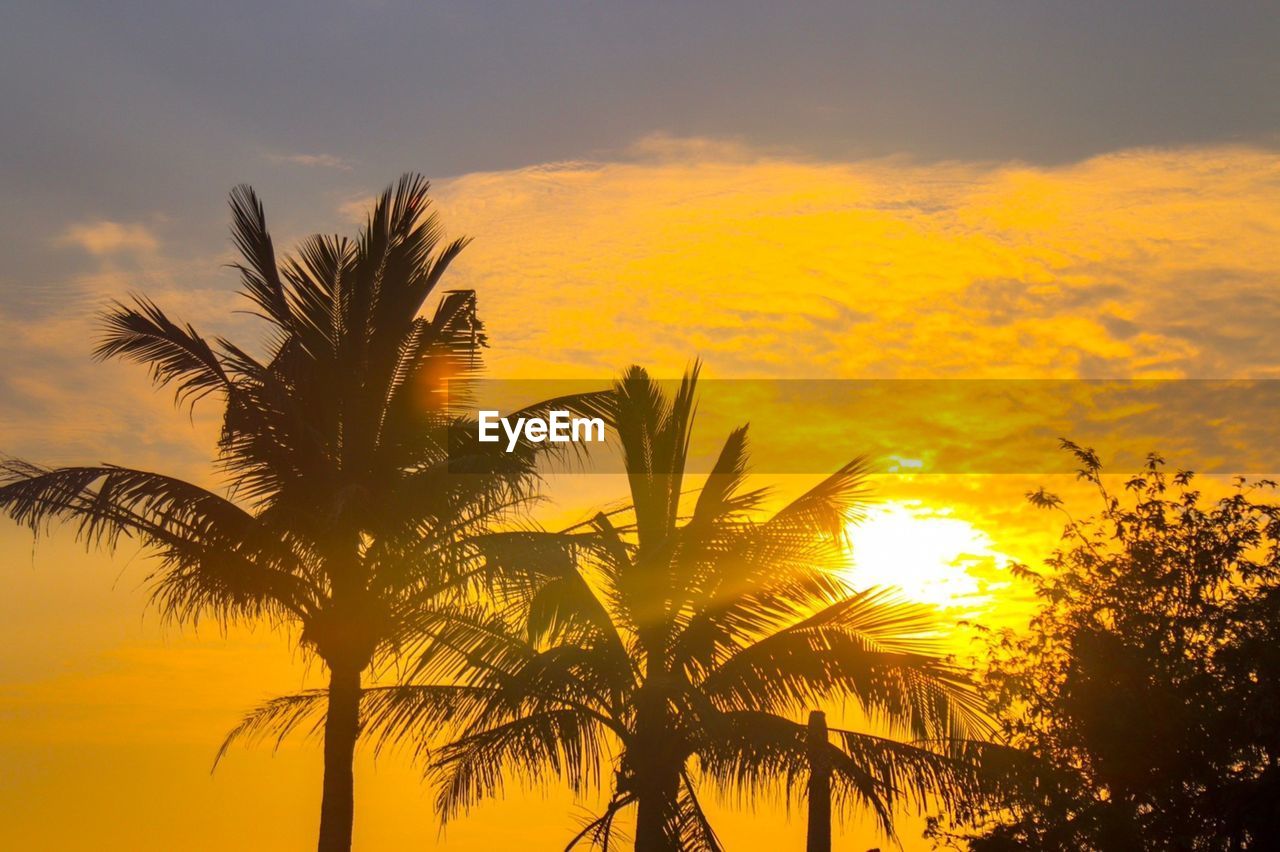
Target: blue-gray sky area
124 110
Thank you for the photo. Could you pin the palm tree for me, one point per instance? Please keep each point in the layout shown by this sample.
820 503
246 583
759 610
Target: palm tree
685 646
356 495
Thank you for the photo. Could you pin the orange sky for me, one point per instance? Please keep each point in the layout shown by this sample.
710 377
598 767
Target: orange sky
1141 263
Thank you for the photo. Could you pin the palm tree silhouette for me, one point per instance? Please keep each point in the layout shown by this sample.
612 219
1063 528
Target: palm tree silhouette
354 502
687 647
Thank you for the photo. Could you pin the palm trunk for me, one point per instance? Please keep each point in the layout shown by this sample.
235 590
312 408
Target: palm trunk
341 728
657 803
657 779
819 784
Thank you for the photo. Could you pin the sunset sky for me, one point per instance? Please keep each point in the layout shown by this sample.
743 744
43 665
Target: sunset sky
816 191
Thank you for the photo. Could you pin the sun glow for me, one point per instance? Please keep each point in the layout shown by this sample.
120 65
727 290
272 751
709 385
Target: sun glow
931 556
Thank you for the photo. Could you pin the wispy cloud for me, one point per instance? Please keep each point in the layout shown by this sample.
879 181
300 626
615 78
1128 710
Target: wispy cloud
318 161
104 237
667 147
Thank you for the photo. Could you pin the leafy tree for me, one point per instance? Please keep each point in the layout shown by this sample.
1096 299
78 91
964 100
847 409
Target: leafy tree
1148 679
687 647
352 505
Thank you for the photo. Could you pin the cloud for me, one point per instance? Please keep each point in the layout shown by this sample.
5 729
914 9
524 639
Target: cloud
1151 263
59 405
319 161
104 237
666 147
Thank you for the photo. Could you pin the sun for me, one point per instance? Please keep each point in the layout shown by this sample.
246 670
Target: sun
931 556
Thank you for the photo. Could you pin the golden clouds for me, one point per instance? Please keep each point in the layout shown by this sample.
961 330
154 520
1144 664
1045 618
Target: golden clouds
1142 263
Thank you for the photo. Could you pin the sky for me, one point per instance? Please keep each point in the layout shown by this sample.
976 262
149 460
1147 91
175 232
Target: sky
807 191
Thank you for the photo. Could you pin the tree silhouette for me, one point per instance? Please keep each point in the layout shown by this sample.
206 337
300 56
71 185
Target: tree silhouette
352 503
1146 683
686 646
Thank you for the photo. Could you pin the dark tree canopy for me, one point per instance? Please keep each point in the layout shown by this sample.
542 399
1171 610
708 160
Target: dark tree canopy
1149 679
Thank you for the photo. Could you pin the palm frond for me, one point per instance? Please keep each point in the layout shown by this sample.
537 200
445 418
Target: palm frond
390 715
215 558
259 275
276 720
873 647
721 495
599 832
831 505
756 754
176 354
692 830
563 743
